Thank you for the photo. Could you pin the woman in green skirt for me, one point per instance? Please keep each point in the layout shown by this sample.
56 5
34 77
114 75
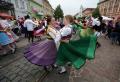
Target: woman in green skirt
77 51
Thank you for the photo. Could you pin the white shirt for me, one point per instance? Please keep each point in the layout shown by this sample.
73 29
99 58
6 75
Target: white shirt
66 30
95 22
29 24
56 35
45 23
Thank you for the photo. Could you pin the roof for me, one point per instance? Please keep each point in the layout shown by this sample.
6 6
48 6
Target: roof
102 1
90 9
76 14
48 3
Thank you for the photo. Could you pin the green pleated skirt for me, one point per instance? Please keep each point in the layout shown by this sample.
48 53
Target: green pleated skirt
77 51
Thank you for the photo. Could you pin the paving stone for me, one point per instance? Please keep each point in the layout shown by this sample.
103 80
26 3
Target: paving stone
17 64
5 80
2 77
34 72
13 76
78 79
39 74
28 63
18 70
26 75
9 74
22 60
14 69
21 66
21 73
26 68
30 79
25 62
17 79
23 80
29 70
4 71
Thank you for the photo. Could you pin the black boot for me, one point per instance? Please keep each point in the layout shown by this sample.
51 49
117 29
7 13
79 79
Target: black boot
98 44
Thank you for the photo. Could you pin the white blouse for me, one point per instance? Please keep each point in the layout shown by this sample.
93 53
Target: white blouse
66 30
57 35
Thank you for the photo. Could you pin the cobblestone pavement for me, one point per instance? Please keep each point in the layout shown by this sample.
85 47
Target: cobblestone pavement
104 68
15 68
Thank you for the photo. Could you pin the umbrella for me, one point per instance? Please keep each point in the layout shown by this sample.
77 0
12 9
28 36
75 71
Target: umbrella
6 15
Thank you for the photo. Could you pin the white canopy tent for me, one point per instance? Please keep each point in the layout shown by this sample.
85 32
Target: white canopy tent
107 18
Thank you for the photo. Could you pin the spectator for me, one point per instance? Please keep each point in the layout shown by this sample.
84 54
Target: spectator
109 28
5 40
115 35
29 24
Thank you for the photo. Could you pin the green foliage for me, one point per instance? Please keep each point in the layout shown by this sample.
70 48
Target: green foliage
96 13
58 13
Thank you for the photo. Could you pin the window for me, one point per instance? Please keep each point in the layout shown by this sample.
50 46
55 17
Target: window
16 2
23 4
110 6
116 5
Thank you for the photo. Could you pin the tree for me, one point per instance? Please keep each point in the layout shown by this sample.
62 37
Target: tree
96 13
58 13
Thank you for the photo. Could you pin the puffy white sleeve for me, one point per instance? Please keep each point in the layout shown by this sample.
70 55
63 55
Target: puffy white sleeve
65 31
55 35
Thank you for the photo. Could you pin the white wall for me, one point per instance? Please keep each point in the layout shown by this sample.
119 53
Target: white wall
20 7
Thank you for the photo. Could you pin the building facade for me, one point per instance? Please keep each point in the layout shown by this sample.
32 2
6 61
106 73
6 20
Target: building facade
47 8
35 8
39 8
110 8
88 11
20 7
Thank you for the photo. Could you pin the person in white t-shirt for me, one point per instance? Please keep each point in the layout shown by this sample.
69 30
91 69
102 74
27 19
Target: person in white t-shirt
29 24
